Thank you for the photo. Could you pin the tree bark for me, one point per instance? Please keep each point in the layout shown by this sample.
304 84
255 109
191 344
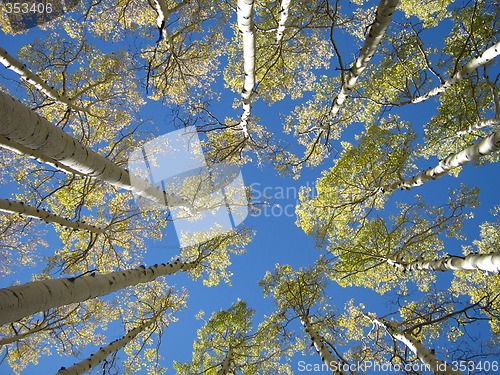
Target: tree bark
425 355
285 5
29 211
11 339
246 27
472 65
23 126
492 121
21 150
98 357
224 370
483 147
11 63
19 301
376 32
163 14
480 262
326 356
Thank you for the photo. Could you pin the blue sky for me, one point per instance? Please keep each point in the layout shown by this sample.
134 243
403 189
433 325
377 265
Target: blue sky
277 239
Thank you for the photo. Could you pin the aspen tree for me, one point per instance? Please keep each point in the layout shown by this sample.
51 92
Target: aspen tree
19 301
486 146
228 344
247 29
29 211
283 49
163 14
284 67
65 329
98 357
11 63
365 256
376 31
479 262
425 355
209 258
297 294
429 328
152 311
25 127
8 144
285 6
468 68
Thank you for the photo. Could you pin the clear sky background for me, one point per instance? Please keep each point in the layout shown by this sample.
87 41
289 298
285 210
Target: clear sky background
277 239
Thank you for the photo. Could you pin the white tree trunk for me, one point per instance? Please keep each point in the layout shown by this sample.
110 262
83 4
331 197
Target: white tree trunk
87 364
163 13
23 126
479 262
224 370
483 147
425 355
285 5
326 356
21 150
246 26
481 124
488 122
472 65
376 32
19 301
11 63
29 211
11 339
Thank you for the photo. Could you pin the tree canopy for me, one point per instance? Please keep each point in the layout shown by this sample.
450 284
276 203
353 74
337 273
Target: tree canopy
361 138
